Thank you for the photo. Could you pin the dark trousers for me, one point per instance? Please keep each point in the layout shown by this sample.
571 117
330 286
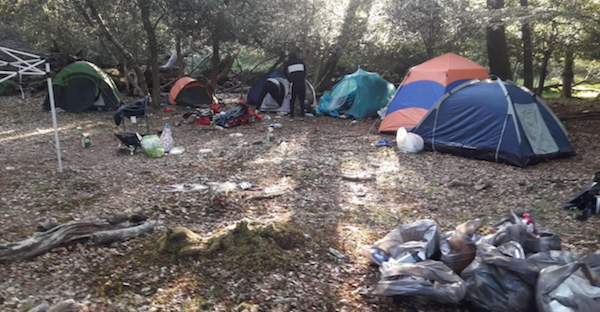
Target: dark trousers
298 92
272 89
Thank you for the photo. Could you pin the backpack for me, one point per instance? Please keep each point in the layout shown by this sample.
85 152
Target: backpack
236 116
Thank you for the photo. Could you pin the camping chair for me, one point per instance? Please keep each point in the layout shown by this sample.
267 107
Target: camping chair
131 139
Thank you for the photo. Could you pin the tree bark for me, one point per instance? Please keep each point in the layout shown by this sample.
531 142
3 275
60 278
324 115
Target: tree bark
216 59
279 61
543 72
567 74
430 52
325 83
496 46
230 59
124 52
527 52
153 45
346 33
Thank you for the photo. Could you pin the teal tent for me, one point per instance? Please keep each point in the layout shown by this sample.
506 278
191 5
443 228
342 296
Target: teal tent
359 95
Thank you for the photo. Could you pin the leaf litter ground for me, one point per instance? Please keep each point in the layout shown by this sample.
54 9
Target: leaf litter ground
248 270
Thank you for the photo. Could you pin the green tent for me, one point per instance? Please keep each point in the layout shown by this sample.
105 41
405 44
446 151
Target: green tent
81 86
359 95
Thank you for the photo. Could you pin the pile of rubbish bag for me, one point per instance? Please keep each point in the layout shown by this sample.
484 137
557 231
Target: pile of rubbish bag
510 266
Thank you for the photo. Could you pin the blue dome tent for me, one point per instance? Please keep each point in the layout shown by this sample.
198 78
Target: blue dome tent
497 121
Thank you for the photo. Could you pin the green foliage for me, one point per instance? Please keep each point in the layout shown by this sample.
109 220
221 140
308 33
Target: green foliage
8 87
386 36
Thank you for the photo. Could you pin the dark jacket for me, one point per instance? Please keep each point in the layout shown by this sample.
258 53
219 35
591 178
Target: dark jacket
295 69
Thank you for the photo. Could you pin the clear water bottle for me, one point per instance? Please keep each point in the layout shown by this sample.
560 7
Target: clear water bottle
270 134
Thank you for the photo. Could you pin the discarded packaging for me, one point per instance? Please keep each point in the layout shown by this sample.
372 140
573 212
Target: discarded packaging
270 134
167 138
244 186
187 187
153 146
86 141
177 150
408 142
236 135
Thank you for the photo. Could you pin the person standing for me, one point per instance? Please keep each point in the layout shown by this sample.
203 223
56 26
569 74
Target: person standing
295 73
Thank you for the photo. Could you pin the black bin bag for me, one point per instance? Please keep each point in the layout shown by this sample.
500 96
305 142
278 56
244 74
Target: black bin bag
418 241
512 229
574 287
458 247
499 283
430 280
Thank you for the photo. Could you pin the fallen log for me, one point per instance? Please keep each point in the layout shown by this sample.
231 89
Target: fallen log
99 231
120 235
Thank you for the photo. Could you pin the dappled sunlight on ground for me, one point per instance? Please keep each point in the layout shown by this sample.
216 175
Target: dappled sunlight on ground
330 180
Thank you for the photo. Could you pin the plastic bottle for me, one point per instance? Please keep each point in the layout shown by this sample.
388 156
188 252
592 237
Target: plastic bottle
270 134
380 256
86 141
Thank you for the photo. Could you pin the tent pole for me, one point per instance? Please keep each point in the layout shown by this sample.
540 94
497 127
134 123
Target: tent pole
54 123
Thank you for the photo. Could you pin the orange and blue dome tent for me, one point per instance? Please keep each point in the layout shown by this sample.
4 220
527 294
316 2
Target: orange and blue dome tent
424 85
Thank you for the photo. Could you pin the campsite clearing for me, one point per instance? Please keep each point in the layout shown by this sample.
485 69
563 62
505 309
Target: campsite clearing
305 166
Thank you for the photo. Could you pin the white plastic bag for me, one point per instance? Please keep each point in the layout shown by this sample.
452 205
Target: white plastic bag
408 142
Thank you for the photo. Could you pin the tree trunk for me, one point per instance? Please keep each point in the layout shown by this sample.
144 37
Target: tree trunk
216 59
145 8
567 74
126 54
279 61
347 33
496 45
230 59
430 52
325 83
527 52
543 72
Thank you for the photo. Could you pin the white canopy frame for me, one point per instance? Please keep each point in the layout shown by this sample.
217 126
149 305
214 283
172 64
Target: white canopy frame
27 64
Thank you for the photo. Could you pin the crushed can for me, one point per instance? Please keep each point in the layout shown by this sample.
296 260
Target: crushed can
86 140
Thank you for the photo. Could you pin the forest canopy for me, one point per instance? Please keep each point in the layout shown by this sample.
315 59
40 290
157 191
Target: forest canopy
524 40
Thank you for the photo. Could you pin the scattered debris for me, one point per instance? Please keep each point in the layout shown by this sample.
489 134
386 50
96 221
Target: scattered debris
482 186
187 187
178 150
265 196
460 184
336 255
357 178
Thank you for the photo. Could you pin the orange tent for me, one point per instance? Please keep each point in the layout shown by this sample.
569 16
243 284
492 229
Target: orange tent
191 92
424 85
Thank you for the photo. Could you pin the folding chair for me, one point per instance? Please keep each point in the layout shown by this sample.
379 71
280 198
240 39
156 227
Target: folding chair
132 111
